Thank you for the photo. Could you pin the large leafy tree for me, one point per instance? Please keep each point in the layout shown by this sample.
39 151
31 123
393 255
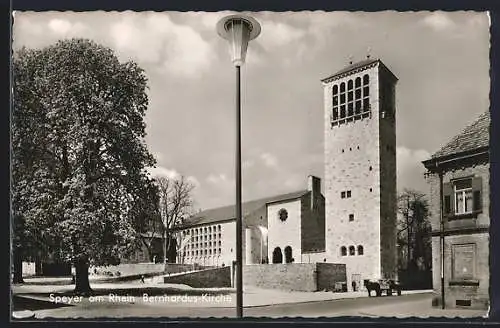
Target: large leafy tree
78 152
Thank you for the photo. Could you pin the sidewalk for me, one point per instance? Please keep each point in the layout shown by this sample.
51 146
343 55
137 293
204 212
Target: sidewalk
253 296
420 309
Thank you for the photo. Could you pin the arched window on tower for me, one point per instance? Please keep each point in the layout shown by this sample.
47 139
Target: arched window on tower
343 251
366 93
358 82
352 250
335 103
360 250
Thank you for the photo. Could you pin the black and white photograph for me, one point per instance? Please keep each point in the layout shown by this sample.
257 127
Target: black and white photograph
250 164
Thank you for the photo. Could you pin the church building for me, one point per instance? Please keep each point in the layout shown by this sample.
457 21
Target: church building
353 222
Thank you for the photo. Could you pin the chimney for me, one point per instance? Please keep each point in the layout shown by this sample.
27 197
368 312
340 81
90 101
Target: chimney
314 186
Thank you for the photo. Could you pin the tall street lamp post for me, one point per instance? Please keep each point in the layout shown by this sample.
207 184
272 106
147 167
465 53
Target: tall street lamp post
238 30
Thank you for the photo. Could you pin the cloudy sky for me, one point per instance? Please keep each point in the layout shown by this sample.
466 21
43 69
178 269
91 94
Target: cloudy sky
440 58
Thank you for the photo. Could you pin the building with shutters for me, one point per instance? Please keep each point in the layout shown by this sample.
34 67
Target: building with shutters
458 178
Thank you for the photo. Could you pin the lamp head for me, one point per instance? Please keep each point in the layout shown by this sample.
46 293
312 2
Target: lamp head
238 30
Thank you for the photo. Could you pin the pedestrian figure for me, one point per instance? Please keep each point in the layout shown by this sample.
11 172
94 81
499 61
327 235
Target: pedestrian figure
142 278
353 286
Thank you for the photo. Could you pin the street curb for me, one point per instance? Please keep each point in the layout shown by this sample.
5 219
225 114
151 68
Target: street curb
305 302
25 314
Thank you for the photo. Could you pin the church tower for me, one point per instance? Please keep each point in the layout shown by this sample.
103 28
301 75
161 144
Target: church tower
360 170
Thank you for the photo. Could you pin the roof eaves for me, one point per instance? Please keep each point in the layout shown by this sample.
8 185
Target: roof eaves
356 67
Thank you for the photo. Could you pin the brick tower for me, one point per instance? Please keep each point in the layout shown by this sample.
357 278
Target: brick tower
360 170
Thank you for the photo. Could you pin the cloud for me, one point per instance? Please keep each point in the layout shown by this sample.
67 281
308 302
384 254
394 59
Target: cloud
269 160
218 179
438 21
66 28
163 172
278 34
155 38
410 170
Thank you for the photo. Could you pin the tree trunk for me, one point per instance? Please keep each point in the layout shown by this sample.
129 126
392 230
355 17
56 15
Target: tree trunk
82 284
18 266
38 265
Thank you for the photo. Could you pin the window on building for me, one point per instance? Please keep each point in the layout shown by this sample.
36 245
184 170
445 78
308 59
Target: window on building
220 250
220 242
220 235
343 251
462 196
348 194
342 194
463 261
219 227
352 250
370 168
351 217
360 250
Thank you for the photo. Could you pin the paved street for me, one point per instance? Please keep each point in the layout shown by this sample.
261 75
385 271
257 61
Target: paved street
178 301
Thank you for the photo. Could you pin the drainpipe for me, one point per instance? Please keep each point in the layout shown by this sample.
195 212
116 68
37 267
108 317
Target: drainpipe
441 234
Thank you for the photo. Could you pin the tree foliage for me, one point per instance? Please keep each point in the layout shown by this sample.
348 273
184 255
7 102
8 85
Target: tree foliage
414 238
78 150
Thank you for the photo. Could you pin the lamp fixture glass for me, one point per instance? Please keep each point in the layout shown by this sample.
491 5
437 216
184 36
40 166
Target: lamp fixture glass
238 30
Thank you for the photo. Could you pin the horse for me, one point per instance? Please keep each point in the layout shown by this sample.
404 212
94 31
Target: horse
372 286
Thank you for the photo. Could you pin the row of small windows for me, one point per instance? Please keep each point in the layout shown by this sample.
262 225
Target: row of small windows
199 231
352 250
205 244
354 100
206 237
202 252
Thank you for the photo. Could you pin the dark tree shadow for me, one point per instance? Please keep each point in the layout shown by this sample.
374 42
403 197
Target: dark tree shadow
20 303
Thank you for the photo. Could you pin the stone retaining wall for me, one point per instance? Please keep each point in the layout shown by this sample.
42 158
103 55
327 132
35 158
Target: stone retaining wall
306 277
217 277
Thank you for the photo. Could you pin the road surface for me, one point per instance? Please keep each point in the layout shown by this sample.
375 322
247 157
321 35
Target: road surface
405 306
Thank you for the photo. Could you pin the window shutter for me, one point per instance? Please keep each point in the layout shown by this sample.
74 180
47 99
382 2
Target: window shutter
448 199
477 187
